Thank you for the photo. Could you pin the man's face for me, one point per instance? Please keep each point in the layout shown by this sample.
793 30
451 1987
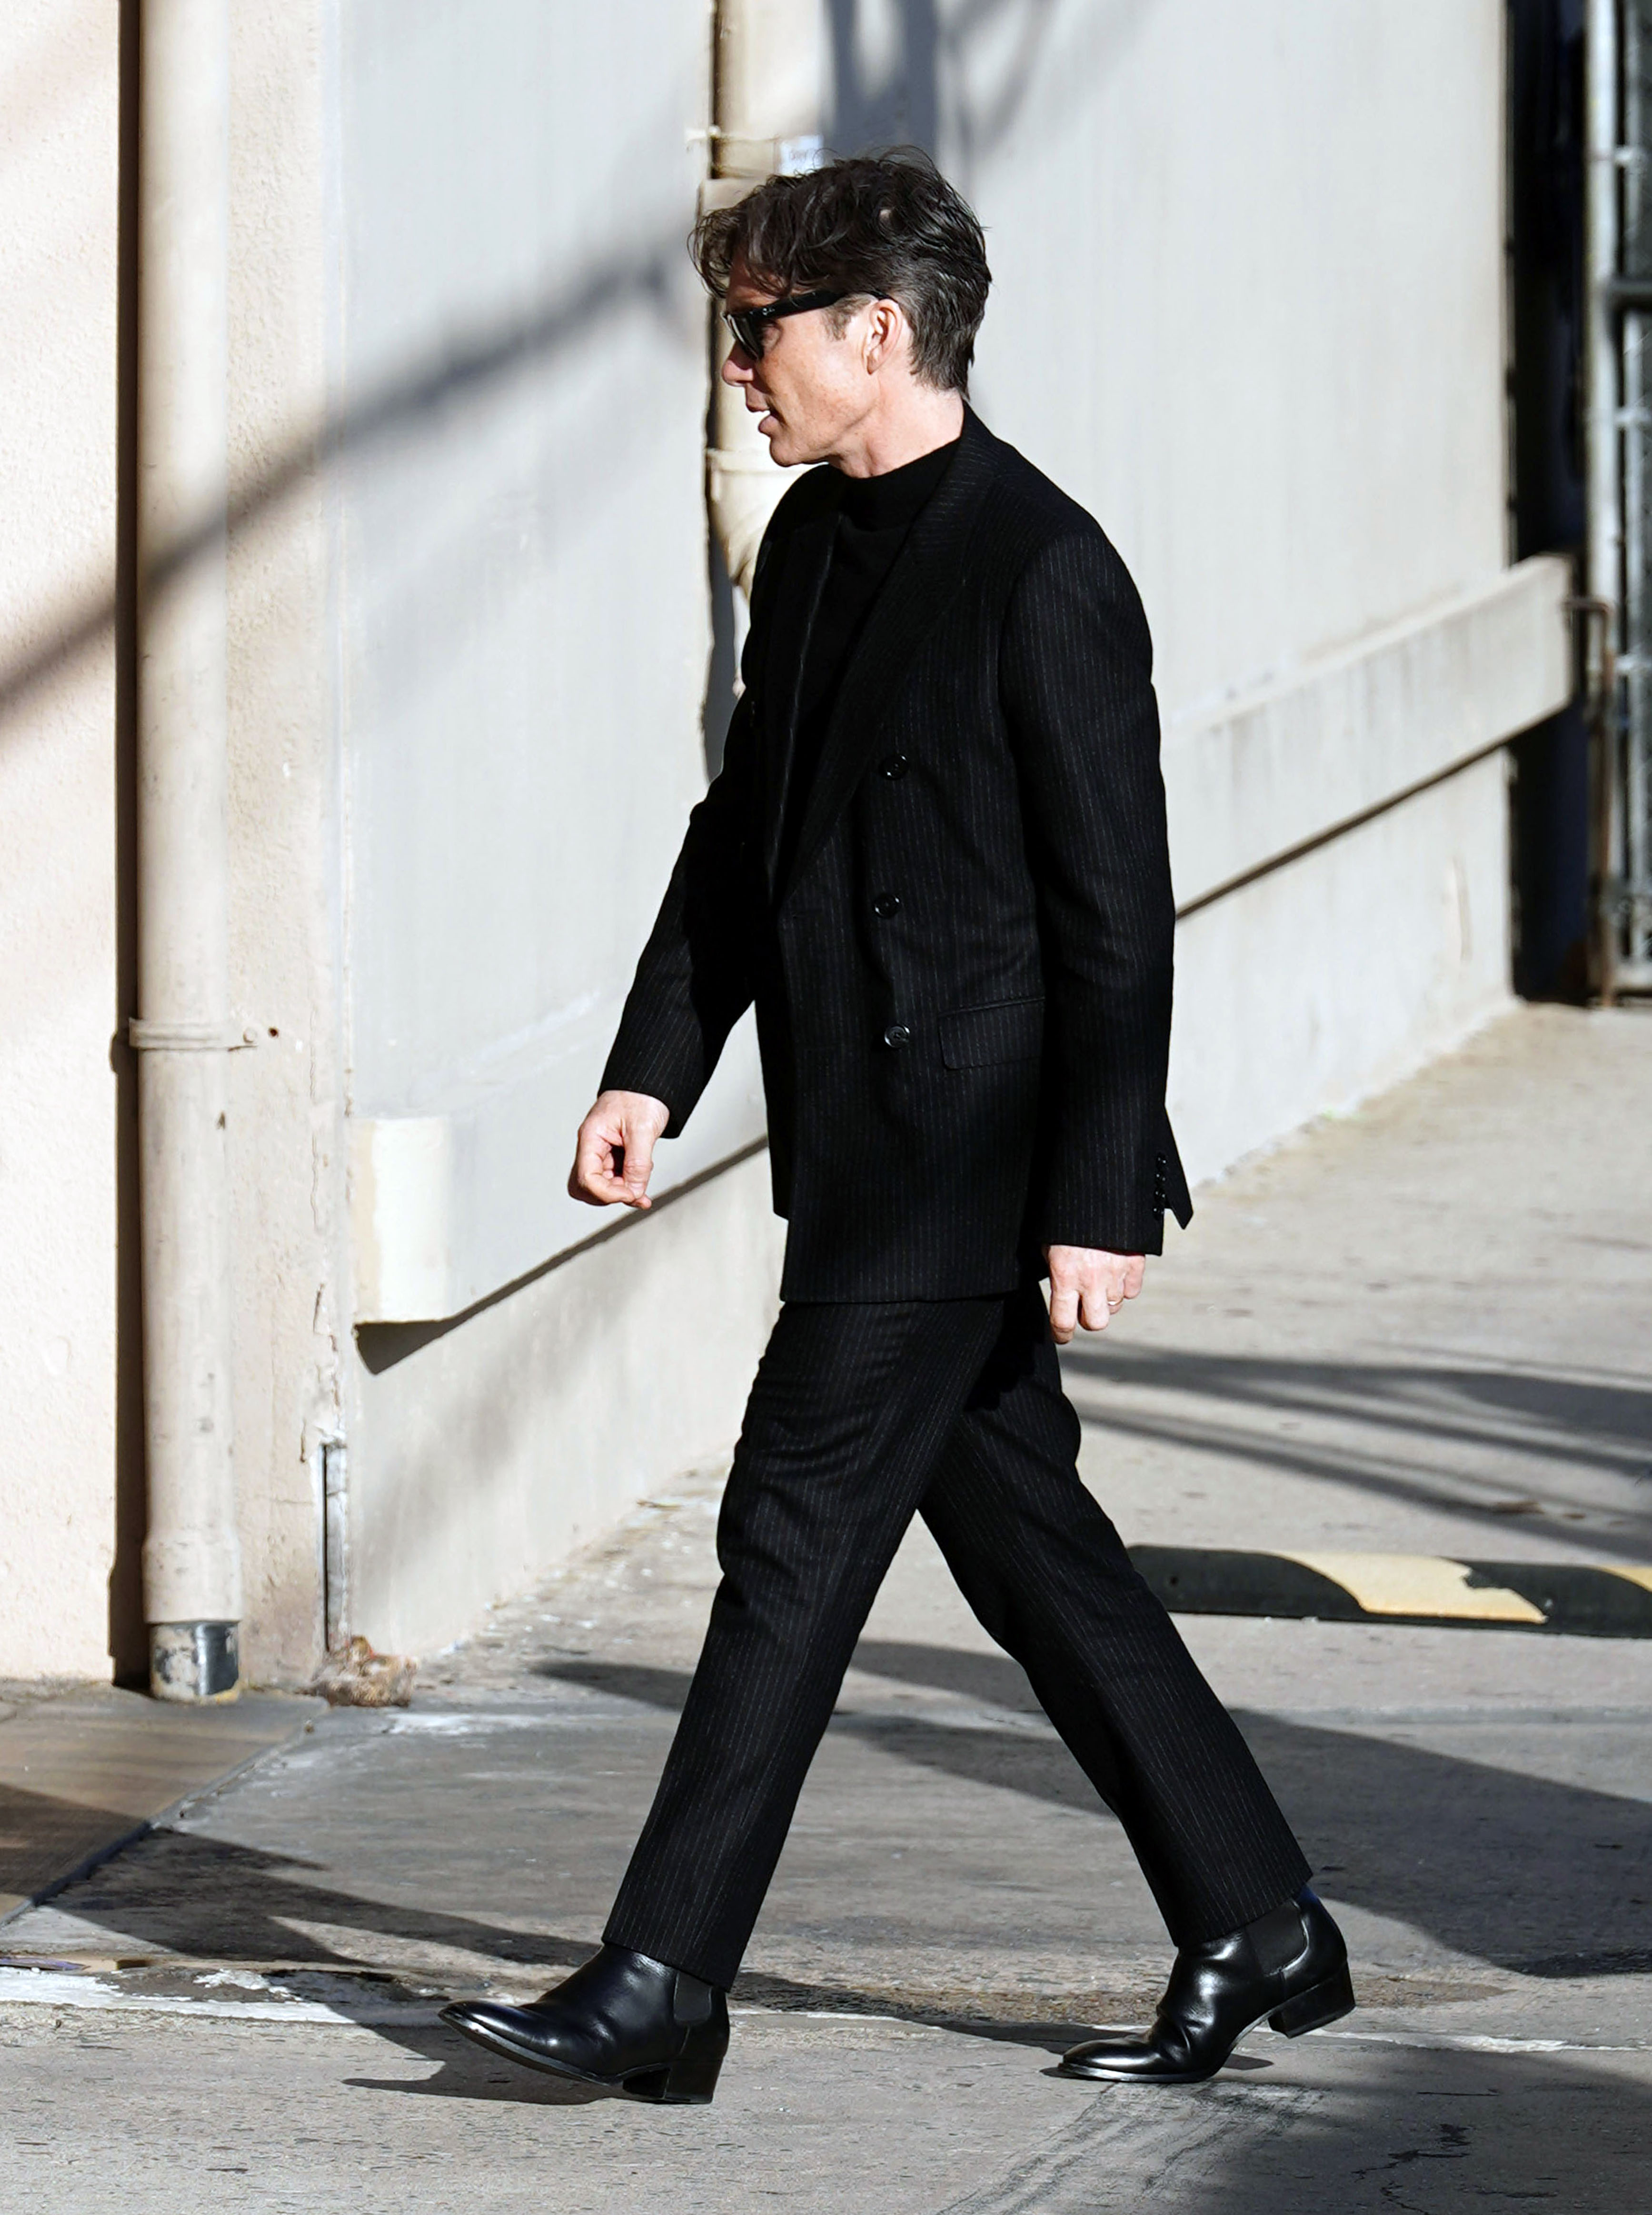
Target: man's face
811 386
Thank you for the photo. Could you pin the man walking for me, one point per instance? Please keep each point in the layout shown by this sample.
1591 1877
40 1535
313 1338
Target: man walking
936 860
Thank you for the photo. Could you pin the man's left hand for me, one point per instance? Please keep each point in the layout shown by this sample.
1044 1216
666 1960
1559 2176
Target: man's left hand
1089 1285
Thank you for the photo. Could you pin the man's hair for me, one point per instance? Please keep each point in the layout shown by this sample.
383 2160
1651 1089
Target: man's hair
885 227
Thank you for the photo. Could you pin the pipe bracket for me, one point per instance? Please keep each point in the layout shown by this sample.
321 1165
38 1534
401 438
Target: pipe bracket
181 1035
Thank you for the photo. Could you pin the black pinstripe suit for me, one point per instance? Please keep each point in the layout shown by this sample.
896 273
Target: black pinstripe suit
963 999
981 1070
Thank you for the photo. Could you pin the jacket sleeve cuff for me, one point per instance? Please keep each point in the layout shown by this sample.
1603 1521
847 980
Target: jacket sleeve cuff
677 1097
1116 1224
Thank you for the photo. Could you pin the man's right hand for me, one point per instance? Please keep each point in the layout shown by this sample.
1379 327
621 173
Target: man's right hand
613 1156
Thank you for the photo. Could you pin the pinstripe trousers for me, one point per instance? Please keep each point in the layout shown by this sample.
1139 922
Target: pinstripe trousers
860 1415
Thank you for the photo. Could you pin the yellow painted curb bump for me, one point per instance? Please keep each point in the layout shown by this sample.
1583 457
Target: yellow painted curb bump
1421 1584
1587 1599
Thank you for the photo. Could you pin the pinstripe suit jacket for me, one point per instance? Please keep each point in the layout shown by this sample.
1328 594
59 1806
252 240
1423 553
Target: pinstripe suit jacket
963 988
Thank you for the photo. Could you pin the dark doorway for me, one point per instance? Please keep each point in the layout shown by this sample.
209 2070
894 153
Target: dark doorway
1551 821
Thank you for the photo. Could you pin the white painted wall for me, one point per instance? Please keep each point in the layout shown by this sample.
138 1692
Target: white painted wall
1343 970
524 602
59 993
521 567
1247 303
1247 308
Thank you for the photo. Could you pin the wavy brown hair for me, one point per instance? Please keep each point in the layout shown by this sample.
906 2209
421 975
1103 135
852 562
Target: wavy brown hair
883 226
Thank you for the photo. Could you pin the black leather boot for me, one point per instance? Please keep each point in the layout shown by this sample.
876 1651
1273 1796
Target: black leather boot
1290 1966
622 2021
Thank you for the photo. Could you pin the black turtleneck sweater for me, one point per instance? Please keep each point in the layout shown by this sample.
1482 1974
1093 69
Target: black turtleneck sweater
875 515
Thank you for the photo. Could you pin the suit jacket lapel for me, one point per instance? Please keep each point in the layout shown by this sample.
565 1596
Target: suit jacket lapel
796 597
927 573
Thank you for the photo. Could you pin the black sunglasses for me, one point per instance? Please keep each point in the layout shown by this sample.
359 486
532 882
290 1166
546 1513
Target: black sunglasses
751 325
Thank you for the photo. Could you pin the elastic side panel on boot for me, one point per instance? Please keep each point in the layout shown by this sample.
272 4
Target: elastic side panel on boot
691 2000
1279 1937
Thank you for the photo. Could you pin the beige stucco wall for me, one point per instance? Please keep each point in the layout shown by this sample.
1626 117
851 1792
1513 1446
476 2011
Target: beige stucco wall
67 1374
70 1471
59 996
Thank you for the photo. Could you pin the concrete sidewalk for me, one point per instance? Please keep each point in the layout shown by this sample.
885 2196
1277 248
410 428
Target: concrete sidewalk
1421 1329
86 1769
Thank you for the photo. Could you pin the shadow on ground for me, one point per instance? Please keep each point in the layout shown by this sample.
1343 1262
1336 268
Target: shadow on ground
1543 1878
1547 1879
185 1896
1403 1432
1359 2129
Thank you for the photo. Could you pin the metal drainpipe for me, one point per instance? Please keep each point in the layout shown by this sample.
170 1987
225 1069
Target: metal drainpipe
767 93
191 1557
1606 522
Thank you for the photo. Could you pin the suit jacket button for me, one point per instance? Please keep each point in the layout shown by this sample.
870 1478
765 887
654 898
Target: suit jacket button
897 765
897 1034
886 903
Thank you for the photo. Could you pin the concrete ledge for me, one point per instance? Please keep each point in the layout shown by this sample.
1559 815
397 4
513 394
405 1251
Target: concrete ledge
1583 1601
449 1206
1299 761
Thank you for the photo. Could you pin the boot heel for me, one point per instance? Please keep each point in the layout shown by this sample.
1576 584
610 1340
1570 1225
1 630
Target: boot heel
1312 2009
692 2077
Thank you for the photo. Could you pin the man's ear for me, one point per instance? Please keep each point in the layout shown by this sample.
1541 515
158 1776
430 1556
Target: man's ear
886 323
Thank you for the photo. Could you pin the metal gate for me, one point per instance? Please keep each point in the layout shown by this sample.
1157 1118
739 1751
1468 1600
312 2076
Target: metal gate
1619 413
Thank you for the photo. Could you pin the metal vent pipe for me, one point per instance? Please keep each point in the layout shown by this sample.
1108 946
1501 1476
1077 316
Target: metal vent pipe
191 1560
768 98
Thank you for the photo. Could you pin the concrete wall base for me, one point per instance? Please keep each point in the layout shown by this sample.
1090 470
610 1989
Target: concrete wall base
485 1451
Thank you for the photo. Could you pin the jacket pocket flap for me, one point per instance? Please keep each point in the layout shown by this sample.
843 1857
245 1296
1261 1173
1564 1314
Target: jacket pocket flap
1009 1030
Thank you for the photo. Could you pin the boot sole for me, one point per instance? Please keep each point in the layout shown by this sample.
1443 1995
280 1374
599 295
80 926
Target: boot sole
683 2083
1325 2002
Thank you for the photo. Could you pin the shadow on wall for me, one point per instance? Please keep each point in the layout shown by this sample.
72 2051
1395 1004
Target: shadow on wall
898 96
908 72
471 368
885 70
